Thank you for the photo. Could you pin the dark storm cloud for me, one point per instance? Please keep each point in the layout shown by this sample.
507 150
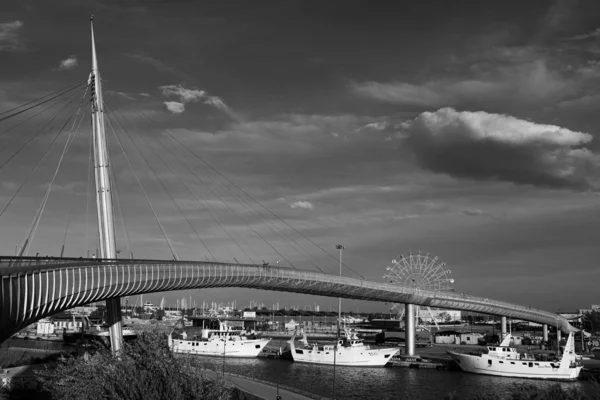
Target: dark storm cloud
484 146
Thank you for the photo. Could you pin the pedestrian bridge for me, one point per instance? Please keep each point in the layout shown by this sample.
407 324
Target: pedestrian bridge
33 288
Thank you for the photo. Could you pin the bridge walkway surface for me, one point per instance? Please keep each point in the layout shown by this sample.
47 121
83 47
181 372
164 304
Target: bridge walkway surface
33 288
266 390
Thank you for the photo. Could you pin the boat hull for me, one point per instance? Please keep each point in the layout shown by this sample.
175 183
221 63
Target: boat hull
217 348
362 358
515 368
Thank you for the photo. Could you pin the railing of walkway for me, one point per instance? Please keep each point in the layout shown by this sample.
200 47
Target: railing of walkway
288 388
33 287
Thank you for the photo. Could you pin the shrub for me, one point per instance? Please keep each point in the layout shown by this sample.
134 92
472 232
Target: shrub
146 370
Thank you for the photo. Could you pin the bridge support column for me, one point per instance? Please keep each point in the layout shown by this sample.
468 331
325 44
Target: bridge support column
558 337
409 325
545 332
503 327
115 324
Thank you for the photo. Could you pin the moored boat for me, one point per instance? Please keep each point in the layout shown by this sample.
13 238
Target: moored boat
224 342
504 360
348 351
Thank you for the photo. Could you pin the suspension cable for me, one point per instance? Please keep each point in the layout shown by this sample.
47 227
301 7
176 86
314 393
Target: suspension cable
220 199
162 146
39 104
197 156
73 98
160 181
73 195
113 181
29 118
143 190
88 190
46 152
38 217
240 200
258 202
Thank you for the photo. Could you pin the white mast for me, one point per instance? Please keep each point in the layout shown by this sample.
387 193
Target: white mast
103 193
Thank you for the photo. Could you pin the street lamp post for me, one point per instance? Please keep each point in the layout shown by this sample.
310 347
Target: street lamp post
340 247
224 348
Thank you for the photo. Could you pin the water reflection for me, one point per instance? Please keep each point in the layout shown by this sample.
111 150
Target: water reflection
375 383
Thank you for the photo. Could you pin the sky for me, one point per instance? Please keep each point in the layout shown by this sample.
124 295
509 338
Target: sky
464 129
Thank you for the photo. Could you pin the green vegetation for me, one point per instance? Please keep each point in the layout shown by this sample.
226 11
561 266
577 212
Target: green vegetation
14 358
533 392
146 370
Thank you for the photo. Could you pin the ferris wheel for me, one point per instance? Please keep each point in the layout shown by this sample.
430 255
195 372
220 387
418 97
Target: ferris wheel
420 272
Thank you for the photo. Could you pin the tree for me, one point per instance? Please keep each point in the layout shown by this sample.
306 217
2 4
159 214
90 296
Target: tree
159 314
147 369
592 319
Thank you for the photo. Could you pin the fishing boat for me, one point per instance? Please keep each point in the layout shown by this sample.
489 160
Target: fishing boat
348 351
224 342
504 360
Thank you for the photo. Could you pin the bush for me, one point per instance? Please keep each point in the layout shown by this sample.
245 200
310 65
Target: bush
146 370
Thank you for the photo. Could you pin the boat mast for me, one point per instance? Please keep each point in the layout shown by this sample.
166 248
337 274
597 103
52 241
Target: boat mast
340 247
103 193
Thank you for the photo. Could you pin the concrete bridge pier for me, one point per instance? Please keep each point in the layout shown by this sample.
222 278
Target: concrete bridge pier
114 320
545 332
409 334
503 327
558 337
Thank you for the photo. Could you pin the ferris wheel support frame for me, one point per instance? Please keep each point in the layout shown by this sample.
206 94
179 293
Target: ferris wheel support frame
421 272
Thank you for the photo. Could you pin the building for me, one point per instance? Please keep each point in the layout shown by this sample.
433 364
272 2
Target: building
455 337
595 307
433 315
291 325
61 322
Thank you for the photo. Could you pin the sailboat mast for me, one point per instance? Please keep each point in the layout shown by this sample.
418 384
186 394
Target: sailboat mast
104 194
340 247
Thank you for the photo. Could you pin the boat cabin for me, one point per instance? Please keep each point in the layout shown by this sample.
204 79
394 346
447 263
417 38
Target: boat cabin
503 352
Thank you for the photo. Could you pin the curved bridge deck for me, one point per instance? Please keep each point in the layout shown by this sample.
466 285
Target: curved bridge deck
33 288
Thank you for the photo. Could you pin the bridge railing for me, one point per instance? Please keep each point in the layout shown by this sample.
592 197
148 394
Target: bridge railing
191 274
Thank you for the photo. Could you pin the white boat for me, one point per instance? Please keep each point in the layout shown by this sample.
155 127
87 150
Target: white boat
351 351
224 342
504 360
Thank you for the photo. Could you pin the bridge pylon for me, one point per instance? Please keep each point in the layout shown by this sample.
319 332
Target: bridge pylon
104 195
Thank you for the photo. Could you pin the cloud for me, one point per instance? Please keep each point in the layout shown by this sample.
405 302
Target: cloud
306 205
473 212
585 36
485 146
378 126
186 95
157 64
175 107
218 103
120 94
68 63
528 83
9 36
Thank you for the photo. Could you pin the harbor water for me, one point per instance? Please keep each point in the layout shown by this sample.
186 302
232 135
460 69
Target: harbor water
350 382
373 383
